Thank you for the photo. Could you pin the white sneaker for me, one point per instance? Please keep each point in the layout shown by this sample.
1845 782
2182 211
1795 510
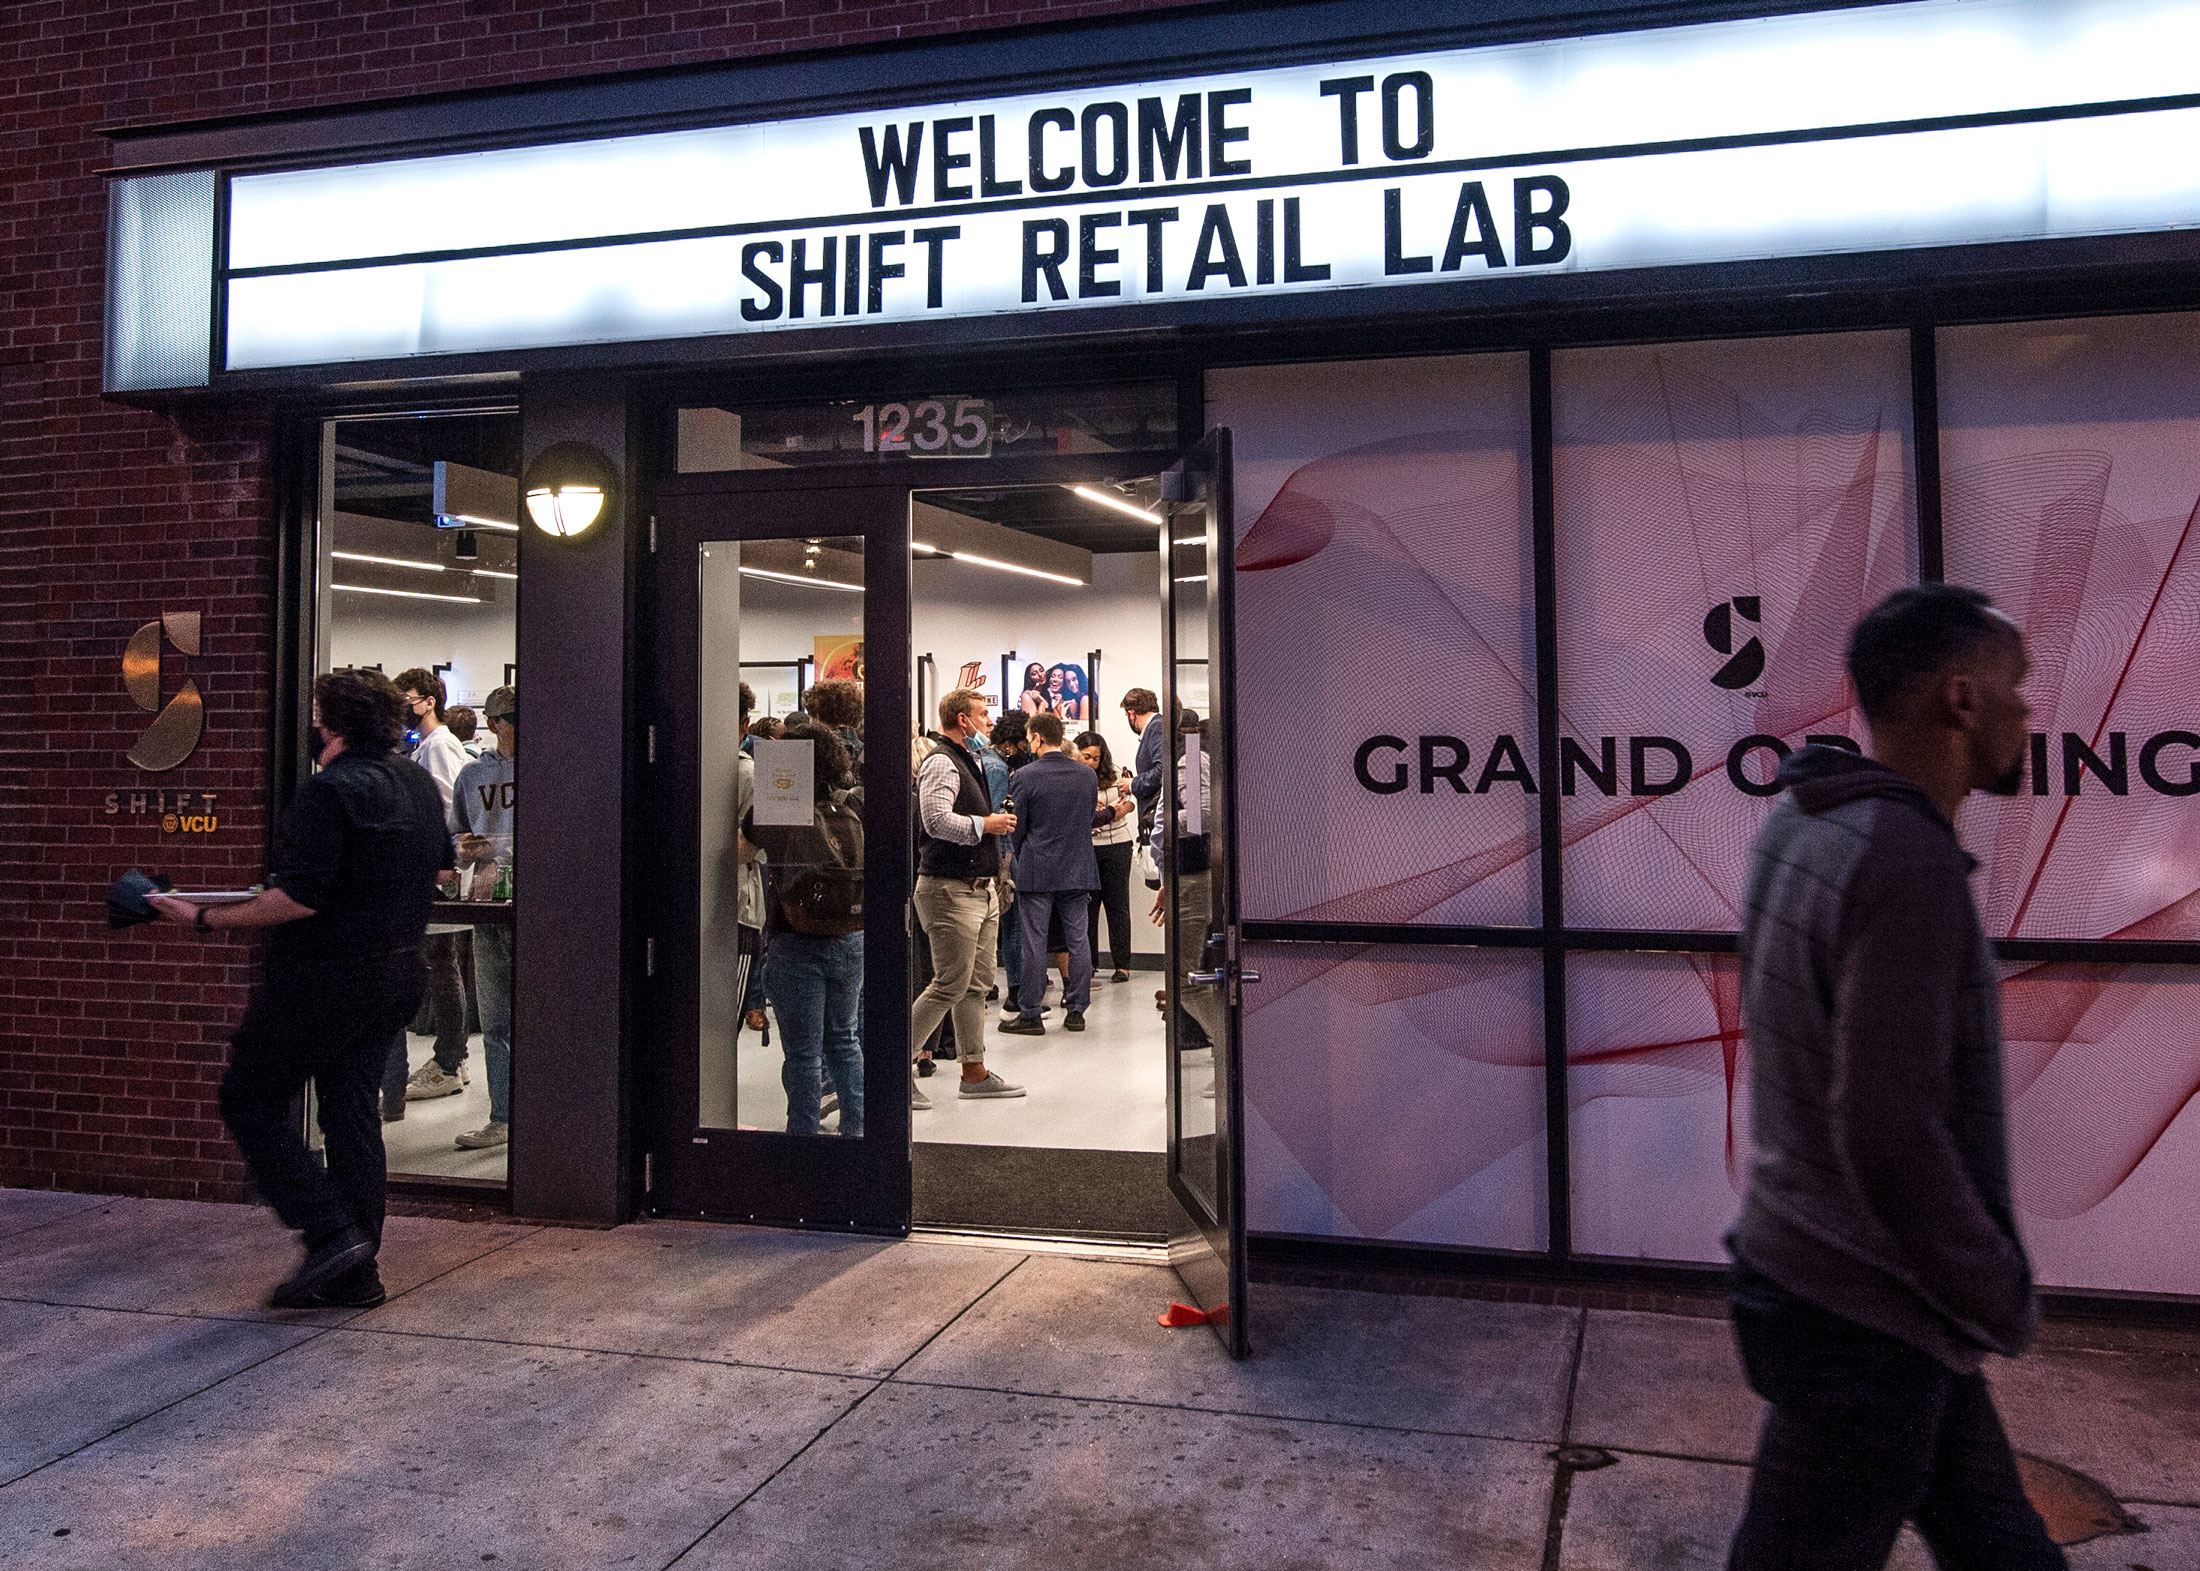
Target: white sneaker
429 1082
486 1138
918 1100
991 1086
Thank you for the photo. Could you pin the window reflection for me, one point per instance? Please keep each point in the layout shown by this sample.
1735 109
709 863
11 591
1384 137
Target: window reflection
781 1038
418 555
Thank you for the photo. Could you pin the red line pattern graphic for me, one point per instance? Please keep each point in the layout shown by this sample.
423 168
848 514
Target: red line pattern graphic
2072 495
1397 1093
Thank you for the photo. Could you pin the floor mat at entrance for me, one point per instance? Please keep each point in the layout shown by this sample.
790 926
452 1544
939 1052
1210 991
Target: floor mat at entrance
1116 1194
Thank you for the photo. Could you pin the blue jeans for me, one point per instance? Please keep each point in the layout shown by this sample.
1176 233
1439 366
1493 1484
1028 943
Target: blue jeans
493 994
1035 913
1864 1431
816 987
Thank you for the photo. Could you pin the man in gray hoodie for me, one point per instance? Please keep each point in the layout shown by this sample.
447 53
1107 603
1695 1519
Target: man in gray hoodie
1877 1259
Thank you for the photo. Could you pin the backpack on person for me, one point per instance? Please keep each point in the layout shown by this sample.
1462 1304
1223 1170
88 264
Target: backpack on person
818 868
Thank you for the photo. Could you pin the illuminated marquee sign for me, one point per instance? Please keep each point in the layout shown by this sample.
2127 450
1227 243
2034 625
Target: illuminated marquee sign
1874 128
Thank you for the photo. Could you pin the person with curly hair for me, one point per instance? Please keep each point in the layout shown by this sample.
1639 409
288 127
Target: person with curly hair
837 703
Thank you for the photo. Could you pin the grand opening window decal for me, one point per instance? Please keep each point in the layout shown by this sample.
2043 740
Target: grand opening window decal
2072 455
1725 514
1428 1128
1384 628
2072 495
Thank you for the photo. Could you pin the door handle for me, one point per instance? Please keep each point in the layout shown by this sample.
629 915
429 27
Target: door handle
1248 976
1214 978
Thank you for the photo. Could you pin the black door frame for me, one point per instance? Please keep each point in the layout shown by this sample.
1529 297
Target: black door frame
1207 1246
753 1175
767 1175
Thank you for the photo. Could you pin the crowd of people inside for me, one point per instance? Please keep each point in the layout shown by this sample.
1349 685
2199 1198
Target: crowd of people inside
1026 836
475 785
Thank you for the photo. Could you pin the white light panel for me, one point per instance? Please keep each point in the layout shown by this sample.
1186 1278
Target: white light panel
385 274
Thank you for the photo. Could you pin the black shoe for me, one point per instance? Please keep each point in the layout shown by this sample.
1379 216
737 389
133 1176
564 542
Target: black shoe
1120 976
1074 1020
925 1068
344 1253
992 993
393 1110
1023 1025
1013 1005
357 1289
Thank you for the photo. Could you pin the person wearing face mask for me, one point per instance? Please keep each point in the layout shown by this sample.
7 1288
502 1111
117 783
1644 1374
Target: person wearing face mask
349 890
481 819
440 752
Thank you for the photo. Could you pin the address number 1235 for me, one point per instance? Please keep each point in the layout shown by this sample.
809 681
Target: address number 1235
929 428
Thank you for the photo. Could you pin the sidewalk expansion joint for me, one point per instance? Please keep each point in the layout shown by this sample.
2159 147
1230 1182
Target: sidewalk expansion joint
1225 1412
843 1414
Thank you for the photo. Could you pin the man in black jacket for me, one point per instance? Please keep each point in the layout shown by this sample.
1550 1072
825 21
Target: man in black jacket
1877 1259
353 881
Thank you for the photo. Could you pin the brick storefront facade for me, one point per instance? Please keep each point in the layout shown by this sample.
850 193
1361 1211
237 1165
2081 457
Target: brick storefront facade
110 516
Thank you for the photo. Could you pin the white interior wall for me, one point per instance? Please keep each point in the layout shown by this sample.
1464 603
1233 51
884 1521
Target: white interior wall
964 612
980 613
477 640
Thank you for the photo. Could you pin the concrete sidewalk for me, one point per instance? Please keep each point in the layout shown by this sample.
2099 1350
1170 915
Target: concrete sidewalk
674 1393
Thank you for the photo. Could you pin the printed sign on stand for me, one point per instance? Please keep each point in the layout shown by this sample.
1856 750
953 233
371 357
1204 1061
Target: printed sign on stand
786 773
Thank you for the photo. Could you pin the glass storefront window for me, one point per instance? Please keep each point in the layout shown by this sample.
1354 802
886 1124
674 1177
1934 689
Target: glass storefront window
1385 588
418 550
1725 512
2069 495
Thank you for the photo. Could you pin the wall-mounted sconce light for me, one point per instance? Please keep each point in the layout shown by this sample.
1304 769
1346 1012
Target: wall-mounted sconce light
567 488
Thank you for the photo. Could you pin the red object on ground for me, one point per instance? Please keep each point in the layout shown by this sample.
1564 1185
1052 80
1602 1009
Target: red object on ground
1186 1315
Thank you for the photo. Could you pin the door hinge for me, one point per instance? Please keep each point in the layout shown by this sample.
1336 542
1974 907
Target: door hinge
649 957
652 534
653 744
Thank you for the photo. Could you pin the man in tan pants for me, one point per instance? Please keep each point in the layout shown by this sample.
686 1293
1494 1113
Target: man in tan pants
958 867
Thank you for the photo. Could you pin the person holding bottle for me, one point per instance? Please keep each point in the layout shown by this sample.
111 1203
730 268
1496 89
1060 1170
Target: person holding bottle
481 819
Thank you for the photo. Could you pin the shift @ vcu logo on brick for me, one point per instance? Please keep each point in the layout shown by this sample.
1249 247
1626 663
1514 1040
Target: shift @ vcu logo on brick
174 732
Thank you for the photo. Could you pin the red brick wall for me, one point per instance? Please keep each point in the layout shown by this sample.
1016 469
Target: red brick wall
112 1042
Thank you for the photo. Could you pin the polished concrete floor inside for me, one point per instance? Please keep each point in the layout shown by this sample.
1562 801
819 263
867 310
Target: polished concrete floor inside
1101 1089
421 1144
680 1394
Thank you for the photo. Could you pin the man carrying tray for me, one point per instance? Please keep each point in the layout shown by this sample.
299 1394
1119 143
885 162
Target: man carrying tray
348 897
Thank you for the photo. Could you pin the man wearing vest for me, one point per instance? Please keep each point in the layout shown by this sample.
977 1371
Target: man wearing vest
958 865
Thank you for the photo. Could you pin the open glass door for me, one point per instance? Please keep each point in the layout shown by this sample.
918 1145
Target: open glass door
767 859
1199 891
